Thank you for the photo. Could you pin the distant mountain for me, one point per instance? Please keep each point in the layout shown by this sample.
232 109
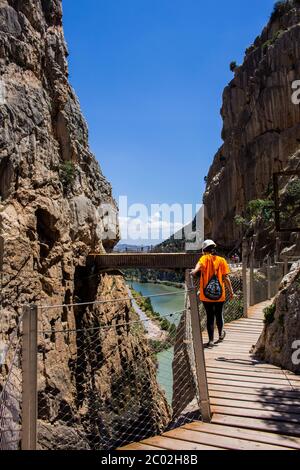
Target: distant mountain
179 242
124 247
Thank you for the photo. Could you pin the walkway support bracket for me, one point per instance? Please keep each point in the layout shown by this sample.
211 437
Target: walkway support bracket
198 349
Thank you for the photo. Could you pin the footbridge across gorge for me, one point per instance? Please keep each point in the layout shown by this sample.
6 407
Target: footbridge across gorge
246 404
158 261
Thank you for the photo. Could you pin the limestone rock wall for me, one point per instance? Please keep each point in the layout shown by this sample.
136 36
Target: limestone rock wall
53 207
261 129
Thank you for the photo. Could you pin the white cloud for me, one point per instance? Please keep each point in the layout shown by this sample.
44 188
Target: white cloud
134 228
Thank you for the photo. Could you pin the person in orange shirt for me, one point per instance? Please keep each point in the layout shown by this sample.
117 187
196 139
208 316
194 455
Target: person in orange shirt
214 277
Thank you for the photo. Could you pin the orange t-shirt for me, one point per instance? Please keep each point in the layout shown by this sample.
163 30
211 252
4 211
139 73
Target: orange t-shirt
210 265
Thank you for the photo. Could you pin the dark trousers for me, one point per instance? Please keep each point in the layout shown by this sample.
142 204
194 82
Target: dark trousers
214 310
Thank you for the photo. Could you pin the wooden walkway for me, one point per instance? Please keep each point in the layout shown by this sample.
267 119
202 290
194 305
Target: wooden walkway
256 406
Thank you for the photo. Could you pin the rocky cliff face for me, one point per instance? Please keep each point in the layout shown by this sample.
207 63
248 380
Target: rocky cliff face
261 130
54 202
279 343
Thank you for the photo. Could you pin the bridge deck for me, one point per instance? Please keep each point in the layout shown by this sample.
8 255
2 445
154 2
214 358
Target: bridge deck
163 261
256 406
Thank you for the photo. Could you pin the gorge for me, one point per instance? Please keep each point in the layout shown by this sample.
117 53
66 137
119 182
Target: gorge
97 377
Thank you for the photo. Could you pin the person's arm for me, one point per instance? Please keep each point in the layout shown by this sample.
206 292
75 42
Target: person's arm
197 269
229 285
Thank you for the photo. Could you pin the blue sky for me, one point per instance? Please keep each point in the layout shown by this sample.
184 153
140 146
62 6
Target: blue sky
150 75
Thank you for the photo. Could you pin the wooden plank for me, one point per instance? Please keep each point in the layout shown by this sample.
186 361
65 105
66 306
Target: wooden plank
256 368
256 405
218 354
139 446
176 444
248 434
279 400
251 389
249 321
237 383
224 442
293 378
250 379
215 366
288 429
266 415
241 343
247 373
234 345
250 362
235 340
239 332
243 328
244 342
232 348
246 325
231 345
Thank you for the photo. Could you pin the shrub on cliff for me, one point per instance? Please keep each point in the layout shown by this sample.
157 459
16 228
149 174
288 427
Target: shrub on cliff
263 208
293 191
67 174
269 314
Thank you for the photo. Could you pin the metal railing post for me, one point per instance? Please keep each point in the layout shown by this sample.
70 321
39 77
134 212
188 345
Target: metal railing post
269 277
29 374
198 349
277 250
252 278
286 266
245 279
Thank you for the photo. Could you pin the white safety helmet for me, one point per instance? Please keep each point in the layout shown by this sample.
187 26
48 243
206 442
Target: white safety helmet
207 244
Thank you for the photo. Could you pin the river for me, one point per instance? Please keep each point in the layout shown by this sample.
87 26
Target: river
165 306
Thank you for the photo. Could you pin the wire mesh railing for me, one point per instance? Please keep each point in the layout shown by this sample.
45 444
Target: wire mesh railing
110 380
11 392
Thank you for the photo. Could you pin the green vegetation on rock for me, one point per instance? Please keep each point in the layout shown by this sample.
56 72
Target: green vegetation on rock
67 174
269 313
258 210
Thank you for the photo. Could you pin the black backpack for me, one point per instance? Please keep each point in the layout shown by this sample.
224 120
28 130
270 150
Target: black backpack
213 290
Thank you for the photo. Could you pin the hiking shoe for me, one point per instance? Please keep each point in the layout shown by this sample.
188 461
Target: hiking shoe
222 337
209 345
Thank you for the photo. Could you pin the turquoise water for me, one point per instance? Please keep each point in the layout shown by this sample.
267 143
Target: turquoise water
165 306
165 373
